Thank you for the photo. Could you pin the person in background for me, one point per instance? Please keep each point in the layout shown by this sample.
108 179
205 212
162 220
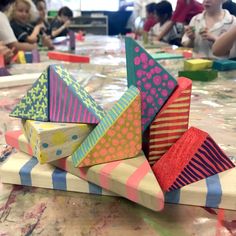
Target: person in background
184 11
230 6
7 35
23 30
225 45
151 18
206 27
60 24
164 14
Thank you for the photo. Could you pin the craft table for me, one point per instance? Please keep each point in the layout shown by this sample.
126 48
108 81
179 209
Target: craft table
35 211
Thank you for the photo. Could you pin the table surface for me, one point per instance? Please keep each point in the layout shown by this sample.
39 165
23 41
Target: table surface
35 211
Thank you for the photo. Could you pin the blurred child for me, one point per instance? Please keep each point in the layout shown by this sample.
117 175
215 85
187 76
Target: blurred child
24 31
42 10
151 18
164 14
184 11
60 24
225 45
6 33
206 27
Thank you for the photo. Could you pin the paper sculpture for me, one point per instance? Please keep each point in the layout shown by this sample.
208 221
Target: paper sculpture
170 123
34 105
131 178
224 65
51 141
153 81
200 75
193 157
61 56
35 56
68 101
216 191
197 64
22 169
117 136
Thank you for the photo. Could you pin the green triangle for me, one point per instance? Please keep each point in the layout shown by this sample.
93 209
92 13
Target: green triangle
34 105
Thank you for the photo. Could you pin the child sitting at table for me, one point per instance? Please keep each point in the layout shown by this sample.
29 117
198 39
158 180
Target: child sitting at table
151 18
6 33
206 27
60 24
23 30
164 13
42 10
225 45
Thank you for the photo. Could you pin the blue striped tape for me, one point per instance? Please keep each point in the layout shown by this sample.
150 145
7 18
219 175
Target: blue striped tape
59 179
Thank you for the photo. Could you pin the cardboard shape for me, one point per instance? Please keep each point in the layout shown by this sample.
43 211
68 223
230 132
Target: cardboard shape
224 65
131 178
170 123
61 56
200 75
35 56
166 56
117 136
34 105
28 57
193 157
69 101
23 169
153 81
51 141
21 57
197 64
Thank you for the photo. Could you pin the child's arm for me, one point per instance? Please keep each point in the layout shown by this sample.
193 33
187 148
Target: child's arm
56 32
22 46
33 38
166 30
224 43
6 52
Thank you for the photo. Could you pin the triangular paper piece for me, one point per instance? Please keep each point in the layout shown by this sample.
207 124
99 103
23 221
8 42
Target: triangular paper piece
34 105
117 136
154 82
51 141
69 102
131 178
193 157
170 123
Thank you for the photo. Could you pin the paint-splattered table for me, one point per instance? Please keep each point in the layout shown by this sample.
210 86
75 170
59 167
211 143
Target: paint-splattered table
35 211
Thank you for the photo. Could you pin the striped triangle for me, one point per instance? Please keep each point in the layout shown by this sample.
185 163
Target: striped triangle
69 102
170 123
34 105
117 136
193 157
154 82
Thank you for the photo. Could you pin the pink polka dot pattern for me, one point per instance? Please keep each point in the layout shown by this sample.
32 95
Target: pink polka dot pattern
154 82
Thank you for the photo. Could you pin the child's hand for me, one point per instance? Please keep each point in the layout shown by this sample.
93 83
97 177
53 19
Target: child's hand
47 42
67 23
6 52
190 32
206 35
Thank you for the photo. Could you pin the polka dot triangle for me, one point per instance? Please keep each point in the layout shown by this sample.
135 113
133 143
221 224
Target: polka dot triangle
117 136
34 105
153 81
69 102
